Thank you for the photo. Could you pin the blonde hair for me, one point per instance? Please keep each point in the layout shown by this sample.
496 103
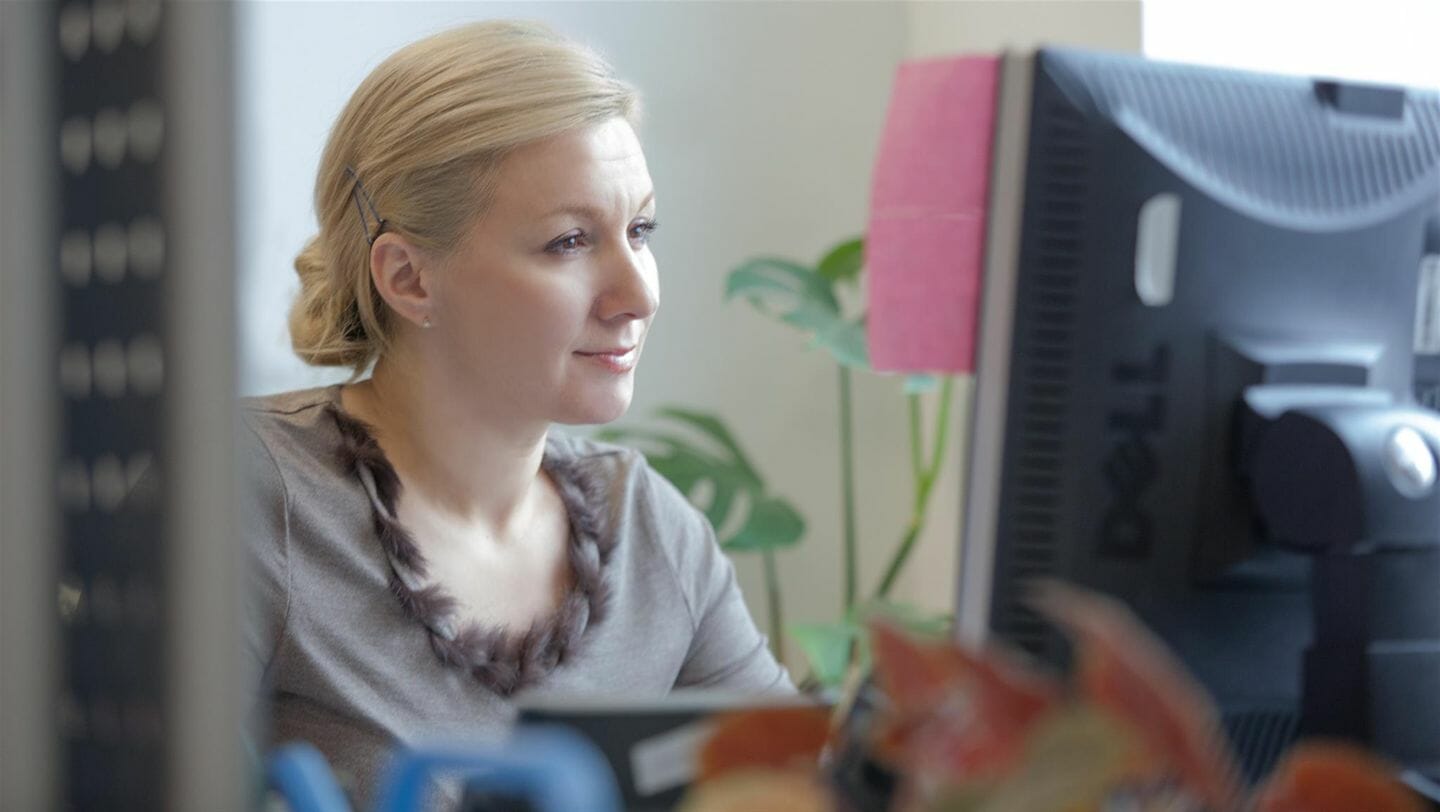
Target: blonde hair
425 134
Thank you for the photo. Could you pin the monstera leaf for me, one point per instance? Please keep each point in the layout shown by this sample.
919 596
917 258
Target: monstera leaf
844 262
804 298
705 462
827 648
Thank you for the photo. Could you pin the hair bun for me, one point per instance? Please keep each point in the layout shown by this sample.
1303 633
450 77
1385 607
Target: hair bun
325 325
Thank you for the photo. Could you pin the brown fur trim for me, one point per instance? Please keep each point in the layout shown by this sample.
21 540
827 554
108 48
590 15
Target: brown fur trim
467 646
503 662
499 676
398 543
427 602
574 616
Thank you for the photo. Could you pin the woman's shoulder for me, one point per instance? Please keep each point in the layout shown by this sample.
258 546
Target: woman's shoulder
609 475
637 499
574 449
287 418
620 470
291 433
281 405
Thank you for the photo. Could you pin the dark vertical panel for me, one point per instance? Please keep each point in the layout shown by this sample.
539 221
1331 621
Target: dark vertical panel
111 273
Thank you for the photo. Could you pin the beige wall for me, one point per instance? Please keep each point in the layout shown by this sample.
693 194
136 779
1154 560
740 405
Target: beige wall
937 28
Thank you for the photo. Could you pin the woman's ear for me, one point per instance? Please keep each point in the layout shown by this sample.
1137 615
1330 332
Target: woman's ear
402 272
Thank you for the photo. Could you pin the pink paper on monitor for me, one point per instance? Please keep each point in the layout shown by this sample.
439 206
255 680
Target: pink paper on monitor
924 248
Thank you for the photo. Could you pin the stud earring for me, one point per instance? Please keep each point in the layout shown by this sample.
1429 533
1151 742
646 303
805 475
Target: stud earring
426 324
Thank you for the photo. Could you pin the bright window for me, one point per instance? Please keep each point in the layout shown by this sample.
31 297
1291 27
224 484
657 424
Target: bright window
1387 41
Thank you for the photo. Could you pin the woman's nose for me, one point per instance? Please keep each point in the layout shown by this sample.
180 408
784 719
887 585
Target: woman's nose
633 287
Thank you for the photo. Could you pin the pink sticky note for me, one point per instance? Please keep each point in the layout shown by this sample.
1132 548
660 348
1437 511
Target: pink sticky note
924 249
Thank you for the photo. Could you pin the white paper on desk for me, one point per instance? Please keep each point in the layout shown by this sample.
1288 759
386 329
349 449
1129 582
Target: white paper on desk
669 760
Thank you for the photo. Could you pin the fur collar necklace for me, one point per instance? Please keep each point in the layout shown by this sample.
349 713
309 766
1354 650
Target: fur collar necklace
503 662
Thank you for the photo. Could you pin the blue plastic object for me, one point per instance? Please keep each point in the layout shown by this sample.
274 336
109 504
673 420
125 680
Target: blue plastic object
302 776
552 767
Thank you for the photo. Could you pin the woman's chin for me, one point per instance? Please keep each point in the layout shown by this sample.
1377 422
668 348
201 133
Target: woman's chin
596 411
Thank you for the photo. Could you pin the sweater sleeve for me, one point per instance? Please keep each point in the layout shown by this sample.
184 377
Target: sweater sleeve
265 530
727 652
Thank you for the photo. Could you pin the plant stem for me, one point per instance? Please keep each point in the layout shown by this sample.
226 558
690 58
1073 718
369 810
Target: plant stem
942 427
917 506
916 461
772 589
912 532
847 484
925 481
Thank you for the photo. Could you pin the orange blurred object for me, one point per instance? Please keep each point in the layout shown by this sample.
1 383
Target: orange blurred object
1334 777
914 675
760 791
1128 671
769 738
963 713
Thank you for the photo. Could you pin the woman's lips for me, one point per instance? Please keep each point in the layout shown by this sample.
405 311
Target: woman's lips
620 359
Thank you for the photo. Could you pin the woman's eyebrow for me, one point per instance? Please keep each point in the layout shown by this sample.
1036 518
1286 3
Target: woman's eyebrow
592 212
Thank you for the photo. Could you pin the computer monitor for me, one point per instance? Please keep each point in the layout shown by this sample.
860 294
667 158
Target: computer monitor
1168 246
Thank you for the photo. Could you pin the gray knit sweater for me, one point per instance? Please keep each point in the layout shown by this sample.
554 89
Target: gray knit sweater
356 655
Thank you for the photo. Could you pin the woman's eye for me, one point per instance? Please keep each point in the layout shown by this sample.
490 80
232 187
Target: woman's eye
640 232
568 244
573 243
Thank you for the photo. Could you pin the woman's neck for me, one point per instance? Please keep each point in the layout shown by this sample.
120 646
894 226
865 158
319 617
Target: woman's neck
451 454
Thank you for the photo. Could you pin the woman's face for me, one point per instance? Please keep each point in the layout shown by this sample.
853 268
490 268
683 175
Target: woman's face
545 303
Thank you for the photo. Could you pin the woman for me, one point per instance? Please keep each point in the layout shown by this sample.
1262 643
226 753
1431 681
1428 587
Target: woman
427 550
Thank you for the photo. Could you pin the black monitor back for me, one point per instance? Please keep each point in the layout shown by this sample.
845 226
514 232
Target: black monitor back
1186 232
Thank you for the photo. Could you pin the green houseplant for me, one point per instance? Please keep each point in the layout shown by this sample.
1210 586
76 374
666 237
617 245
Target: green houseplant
702 457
